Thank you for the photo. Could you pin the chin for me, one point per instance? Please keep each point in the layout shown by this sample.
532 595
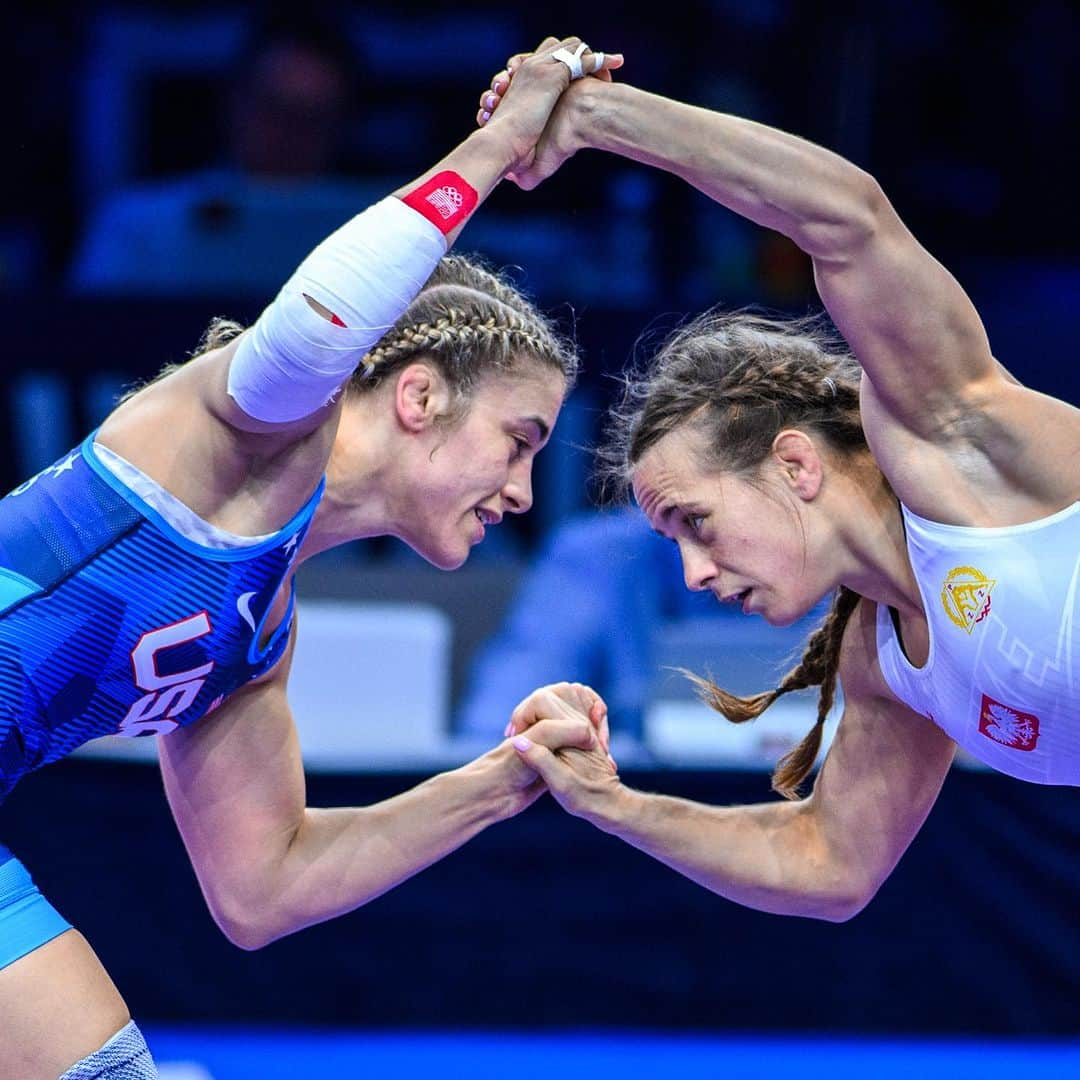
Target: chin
781 619
442 558
788 617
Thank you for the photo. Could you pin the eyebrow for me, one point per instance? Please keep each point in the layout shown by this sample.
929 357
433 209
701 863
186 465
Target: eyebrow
541 426
664 516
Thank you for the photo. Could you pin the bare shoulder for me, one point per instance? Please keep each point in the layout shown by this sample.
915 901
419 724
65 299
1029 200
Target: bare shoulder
882 747
997 453
867 697
213 459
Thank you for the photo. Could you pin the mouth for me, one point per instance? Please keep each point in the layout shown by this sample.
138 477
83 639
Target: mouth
484 517
741 596
487 517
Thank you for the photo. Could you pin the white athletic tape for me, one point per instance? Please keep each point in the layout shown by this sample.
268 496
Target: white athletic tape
293 360
571 59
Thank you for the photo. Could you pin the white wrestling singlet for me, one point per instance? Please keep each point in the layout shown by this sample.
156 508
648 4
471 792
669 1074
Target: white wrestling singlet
1003 673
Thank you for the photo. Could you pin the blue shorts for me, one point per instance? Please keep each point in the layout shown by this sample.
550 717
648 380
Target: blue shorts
27 919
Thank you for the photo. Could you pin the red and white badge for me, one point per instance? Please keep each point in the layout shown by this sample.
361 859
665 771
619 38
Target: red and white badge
446 200
1008 726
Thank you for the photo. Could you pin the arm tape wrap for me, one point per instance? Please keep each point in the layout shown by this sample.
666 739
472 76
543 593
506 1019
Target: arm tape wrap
293 360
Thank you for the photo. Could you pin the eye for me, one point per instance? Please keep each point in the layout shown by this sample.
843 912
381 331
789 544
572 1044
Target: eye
695 522
520 447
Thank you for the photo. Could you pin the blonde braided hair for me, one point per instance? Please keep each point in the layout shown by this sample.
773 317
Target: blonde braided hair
470 322
739 378
468 319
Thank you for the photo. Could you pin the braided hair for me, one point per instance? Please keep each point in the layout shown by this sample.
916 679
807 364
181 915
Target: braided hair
739 378
468 319
471 322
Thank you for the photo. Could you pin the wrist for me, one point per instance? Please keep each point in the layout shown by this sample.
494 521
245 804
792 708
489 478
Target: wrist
495 783
594 109
616 811
500 143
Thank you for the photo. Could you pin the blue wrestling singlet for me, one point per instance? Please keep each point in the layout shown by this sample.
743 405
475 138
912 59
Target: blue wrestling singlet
114 623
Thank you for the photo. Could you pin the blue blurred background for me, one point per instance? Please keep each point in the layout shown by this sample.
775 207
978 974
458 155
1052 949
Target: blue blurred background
169 163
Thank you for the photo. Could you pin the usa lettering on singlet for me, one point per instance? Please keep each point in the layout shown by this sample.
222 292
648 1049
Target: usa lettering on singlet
114 621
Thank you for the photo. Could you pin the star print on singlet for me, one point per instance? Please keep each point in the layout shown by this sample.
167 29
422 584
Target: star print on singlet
113 622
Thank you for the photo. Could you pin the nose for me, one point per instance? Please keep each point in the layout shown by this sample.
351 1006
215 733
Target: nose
698 569
517 492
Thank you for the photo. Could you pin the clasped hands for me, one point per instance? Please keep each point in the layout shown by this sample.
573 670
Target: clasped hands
557 137
561 733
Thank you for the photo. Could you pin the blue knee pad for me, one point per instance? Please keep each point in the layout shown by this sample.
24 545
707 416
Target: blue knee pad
124 1057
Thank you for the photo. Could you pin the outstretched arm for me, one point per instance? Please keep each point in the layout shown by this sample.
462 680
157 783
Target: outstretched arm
269 865
267 403
913 328
350 290
824 857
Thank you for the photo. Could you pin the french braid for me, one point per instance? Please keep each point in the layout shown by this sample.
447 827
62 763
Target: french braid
740 378
468 320
471 322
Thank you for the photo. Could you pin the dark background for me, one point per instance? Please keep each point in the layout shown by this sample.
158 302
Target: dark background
967 116
545 922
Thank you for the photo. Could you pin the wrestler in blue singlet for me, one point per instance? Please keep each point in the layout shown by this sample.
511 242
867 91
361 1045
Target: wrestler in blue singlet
113 621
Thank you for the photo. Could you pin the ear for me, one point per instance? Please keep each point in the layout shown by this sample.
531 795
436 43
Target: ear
797 455
421 395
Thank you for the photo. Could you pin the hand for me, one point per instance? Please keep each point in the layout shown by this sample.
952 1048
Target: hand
518 783
553 143
583 780
567 701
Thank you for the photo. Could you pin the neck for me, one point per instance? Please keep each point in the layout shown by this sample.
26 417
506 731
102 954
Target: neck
873 542
358 502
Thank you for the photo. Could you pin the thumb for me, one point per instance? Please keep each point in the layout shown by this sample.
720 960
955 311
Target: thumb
539 758
604 62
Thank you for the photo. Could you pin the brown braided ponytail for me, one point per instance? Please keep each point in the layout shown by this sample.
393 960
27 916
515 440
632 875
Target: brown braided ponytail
471 322
740 378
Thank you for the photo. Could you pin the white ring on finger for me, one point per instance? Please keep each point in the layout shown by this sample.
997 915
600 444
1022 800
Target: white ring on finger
571 59
598 60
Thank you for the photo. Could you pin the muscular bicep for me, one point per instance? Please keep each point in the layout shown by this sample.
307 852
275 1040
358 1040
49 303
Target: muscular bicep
909 322
883 771
882 775
235 784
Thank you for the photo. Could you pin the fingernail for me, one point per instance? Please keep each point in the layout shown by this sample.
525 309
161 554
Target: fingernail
485 116
612 761
506 730
521 742
490 102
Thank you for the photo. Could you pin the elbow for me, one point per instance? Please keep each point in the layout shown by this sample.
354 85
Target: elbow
247 933
856 214
248 922
845 898
842 909
248 938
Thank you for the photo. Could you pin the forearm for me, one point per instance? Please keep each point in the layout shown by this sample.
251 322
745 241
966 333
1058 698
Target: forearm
817 198
354 286
482 160
340 858
770 856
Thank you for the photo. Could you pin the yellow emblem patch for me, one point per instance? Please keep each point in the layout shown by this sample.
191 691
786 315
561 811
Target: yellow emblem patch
966 596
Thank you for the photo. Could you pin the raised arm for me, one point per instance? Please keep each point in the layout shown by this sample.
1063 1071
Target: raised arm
913 328
824 857
269 865
911 325
273 391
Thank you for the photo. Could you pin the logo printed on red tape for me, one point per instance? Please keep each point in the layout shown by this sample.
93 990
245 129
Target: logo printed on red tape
446 200
1008 726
